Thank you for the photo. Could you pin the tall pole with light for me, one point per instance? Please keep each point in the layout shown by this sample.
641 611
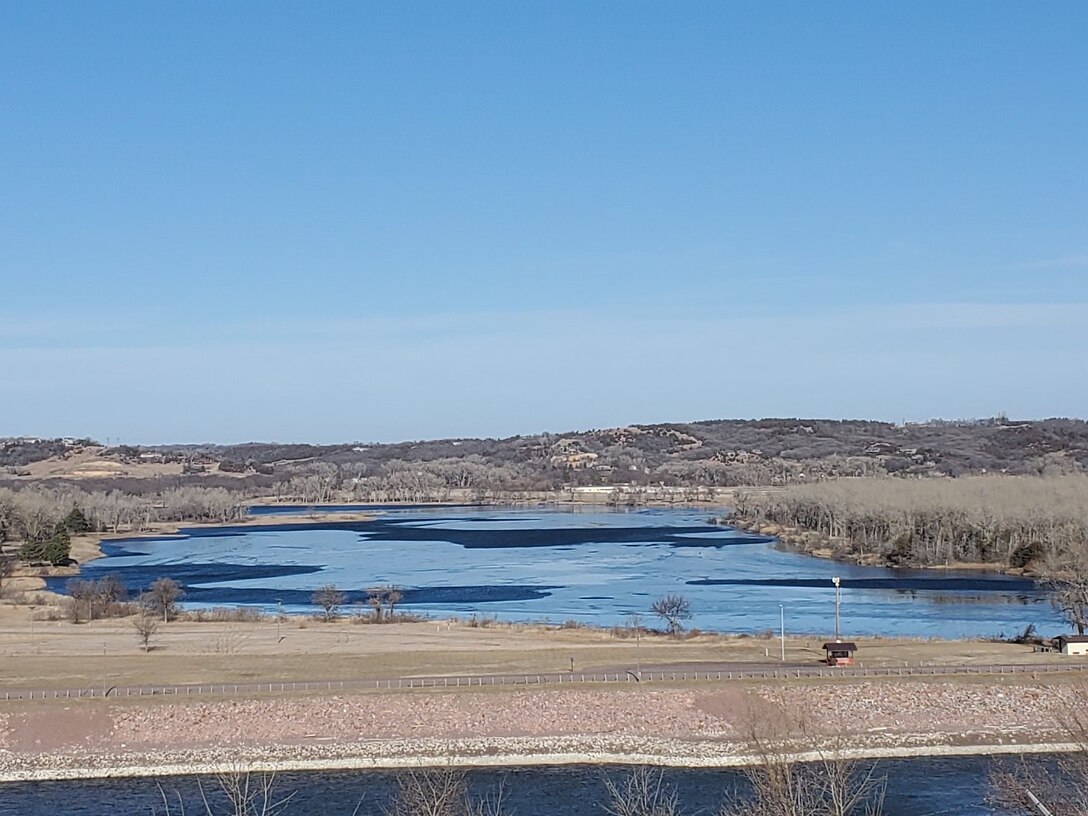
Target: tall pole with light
838 601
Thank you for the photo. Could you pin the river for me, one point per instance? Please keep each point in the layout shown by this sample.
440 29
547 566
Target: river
915 787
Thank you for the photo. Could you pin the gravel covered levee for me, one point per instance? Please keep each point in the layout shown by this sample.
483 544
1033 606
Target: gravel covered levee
682 725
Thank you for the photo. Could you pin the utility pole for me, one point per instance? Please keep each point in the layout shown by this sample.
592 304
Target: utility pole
279 620
105 673
838 601
782 628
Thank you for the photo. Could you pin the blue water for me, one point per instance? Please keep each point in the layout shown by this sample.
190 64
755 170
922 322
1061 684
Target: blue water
594 566
915 787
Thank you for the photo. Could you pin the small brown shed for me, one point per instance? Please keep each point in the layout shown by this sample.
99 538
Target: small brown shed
840 653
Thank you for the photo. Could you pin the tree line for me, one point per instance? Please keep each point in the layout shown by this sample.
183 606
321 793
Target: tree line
1014 521
1034 523
43 518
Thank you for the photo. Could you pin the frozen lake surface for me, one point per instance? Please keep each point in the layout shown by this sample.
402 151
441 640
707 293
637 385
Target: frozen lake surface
591 565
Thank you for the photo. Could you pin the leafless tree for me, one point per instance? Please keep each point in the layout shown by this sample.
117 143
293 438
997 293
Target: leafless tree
162 597
642 792
82 594
1058 782
383 602
374 601
1066 573
1069 596
330 599
246 794
442 792
800 768
146 624
673 609
249 794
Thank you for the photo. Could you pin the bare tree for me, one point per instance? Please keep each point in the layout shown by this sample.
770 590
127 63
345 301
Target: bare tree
641 793
826 783
246 794
162 597
374 601
146 625
249 794
1066 576
383 601
393 596
1058 783
83 599
1069 596
673 609
442 792
330 599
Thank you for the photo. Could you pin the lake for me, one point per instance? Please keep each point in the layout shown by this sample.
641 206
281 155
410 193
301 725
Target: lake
592 565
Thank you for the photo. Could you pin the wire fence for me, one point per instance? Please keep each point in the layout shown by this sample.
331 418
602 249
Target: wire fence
548 679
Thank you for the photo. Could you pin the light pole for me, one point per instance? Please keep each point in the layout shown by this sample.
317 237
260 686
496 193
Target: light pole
838 600
279 620
105 672
782 628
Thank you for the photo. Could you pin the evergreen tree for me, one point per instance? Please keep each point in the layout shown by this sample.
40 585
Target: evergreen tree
76 522
57 550
32 551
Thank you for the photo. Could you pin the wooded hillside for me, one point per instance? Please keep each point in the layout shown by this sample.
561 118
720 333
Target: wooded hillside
721 453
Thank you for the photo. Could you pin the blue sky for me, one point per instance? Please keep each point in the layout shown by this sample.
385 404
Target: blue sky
346 221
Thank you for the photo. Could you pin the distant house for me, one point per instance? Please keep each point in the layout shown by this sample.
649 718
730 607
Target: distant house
1072 644
840 653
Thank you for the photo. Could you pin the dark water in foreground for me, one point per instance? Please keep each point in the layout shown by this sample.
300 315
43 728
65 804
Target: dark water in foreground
915 787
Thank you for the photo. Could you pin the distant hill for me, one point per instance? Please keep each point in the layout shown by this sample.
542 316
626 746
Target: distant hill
714 452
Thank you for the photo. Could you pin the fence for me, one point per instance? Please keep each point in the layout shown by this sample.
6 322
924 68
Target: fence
557 678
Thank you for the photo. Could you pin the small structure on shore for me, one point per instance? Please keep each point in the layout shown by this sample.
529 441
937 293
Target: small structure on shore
840 653
1072 644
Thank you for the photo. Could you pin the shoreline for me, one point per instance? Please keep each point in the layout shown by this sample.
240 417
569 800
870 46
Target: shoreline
87 547
483 753
800 541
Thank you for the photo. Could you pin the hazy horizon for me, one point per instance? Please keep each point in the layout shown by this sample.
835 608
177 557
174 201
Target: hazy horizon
422 220
115 441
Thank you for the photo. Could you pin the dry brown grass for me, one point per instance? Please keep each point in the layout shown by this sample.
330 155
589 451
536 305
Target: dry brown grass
59 654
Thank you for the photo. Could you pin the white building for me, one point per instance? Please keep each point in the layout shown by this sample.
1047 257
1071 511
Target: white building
1072 644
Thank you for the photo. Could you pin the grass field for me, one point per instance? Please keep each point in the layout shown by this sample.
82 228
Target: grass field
57 654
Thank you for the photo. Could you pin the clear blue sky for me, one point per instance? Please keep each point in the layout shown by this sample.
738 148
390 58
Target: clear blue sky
344 221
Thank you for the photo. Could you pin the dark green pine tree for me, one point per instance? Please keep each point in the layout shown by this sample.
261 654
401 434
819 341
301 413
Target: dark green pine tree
57 550
76 522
